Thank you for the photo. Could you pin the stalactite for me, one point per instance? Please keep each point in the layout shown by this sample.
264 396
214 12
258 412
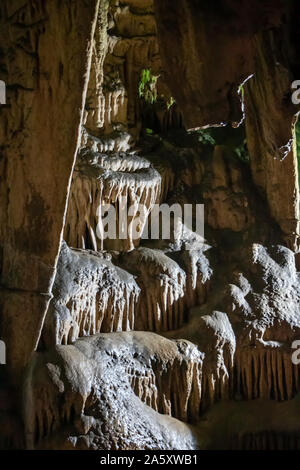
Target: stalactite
266 440
168 290
172 388
97 297
266 374
110 143
143 363
131 183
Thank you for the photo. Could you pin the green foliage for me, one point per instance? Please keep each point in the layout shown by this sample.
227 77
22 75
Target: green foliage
242 152
147 86
204 136
149 131
170 102
233 140
147 89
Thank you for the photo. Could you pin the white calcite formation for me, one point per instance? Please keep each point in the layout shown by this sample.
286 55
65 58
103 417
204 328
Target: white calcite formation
265 304
163 286
120 180
133 343
126 387
116 141
152 292
170 283
90 295
82 396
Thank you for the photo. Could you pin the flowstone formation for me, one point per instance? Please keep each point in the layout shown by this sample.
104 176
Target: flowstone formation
118 180
170 342
90 295
134 390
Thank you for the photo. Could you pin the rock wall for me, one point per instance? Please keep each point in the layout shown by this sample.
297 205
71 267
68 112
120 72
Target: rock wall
255 38
271 141
45 60
198 38
147 342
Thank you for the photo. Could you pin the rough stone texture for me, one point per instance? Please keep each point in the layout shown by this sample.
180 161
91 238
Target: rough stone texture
268 302
81 396
194 38
226 309
226 201
242 353
120 53
271 138
235 426
90 295
262 306
12 427
119 181
210 46
169 287
39 134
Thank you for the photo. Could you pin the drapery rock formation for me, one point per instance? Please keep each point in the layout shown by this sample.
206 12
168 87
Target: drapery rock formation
120 180
242 353
197 38
181 341
90 295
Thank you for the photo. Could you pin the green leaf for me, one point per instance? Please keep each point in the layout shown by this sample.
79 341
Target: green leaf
147 86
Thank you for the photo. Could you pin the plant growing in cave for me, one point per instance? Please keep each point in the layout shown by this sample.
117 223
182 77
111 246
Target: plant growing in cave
241 91
170 102
241 152
147 86
205 136
233 140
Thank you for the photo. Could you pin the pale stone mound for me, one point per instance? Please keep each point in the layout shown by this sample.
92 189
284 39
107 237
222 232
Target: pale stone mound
152 292
265 303
82 396
90 295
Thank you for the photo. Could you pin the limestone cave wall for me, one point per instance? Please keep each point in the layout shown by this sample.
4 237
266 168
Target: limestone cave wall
131 343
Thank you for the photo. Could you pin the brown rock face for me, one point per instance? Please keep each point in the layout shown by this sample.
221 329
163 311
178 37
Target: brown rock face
220 50
210 46
39 136
271 138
